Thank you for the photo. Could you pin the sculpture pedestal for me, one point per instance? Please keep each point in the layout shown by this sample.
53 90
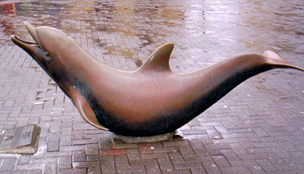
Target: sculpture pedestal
148 139
23 140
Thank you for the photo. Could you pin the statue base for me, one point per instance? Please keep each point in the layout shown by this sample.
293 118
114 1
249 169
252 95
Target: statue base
148 139
23 140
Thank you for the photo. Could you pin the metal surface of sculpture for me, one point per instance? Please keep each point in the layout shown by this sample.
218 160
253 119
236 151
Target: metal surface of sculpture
151 100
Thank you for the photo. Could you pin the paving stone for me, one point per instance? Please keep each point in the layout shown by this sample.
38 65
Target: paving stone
187 165
142 162
266 165
152 168
165 149
221 161
108 164
235 170
211 167
194 132
183 171
91 149
256 128
64 162
71 171
121 160
94 170
186 151
85 164
175 143
214 134
53 146
78 155
24 159
176 157
50 168
36 166
165 164
105 143
8 164
145 148
133 154
133 169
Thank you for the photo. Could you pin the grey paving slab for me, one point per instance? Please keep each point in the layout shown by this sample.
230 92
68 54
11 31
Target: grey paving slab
256 128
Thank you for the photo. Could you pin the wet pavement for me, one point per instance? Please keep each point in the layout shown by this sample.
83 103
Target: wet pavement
256 128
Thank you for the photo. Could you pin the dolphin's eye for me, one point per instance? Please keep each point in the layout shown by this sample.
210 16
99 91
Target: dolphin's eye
47 54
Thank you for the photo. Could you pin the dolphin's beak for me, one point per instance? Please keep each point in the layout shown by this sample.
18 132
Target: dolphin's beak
32 30
31 48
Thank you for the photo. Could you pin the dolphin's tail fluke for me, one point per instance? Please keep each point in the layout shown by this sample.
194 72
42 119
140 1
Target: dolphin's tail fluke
276 61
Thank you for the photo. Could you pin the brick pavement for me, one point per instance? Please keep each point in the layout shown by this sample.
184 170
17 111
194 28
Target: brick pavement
257 128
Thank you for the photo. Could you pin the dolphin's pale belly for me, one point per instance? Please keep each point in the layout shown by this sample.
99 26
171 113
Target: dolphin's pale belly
143 122
141 108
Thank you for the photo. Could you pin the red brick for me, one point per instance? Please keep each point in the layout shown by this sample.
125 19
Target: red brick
145 148
113 152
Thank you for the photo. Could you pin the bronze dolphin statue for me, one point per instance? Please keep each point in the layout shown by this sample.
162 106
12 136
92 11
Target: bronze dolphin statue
151 100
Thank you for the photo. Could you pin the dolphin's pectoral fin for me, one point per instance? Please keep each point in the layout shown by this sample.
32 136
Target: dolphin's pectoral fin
159 60
85 109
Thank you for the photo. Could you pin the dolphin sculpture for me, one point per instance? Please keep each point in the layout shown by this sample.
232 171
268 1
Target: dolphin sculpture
151 100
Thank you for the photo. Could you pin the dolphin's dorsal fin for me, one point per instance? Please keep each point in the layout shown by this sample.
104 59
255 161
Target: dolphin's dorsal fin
85 109
159 60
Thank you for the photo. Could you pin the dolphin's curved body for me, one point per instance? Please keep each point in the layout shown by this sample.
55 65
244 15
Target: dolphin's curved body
150 101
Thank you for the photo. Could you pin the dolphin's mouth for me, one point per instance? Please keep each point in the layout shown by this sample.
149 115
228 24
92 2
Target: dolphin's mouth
29 47
32 30
19 41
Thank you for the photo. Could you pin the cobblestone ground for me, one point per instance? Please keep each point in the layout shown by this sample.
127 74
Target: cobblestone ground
256 128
